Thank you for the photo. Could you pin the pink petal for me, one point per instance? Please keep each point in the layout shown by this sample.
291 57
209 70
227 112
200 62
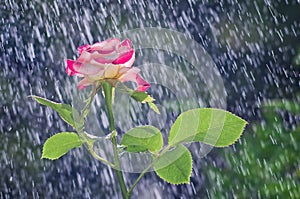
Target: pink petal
112 42
124 58
143 85
83 48
88 69
103 60
123 70
86 66
133 76
70 67
129 63
106 46
107 59
111 71
105 51
126 43
130 75
84 57
97 76
84 83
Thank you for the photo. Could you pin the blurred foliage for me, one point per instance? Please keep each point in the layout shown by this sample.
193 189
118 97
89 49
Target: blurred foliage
266 162
296 60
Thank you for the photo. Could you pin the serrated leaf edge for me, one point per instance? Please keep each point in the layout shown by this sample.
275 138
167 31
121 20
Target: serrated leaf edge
45 157
190 171
219 146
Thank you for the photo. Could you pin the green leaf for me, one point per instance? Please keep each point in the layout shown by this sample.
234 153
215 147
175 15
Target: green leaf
143 138
215 127
59 144
154 107
141 97
175 166
65 111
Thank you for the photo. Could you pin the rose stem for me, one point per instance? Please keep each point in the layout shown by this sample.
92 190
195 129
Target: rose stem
107 88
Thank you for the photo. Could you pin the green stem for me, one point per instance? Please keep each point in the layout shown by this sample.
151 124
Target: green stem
86 108
138 179
145 170
84 136
96 156
108 92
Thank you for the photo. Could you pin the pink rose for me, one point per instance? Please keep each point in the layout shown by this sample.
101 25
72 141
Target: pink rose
110 59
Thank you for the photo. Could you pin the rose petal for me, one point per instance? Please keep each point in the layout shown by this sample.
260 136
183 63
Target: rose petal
127 56
86 66
129 63
98 76
126 43
130 75
111 71
87 69
107 59
112 42
83 48
70 70
133 76
123 70
104 58
84 57
106 46
124 47
143 85
84 83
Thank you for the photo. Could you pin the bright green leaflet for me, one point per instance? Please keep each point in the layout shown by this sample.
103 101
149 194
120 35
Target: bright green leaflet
140 96
65 111
143 97
143 138
59 144
153 107
212 126
175 166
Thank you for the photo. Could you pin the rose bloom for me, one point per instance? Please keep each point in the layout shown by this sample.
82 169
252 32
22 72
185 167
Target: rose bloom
106 60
